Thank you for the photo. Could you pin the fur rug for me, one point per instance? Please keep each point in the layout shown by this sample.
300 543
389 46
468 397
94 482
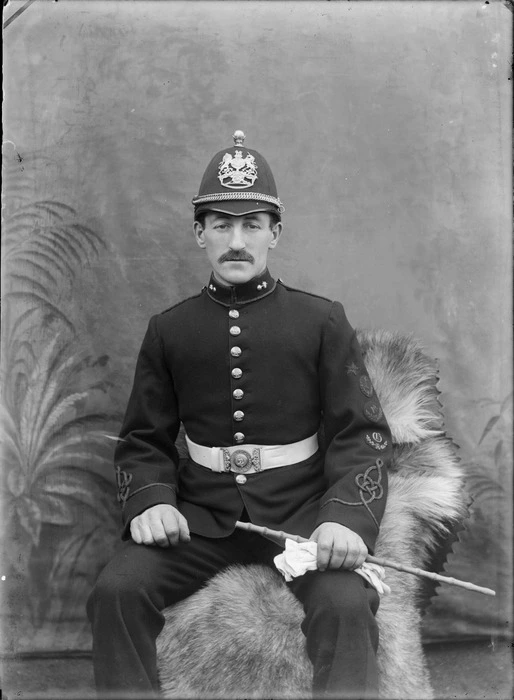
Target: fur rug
240 637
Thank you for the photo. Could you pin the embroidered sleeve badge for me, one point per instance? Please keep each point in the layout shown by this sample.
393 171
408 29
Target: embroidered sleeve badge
376 441
236 172
366 386
372 411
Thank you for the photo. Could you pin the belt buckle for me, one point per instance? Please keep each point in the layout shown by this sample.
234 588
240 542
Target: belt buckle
241 461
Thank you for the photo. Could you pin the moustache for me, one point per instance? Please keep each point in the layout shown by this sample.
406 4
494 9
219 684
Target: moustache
236 256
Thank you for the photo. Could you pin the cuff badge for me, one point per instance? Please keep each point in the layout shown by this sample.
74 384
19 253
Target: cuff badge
123 481
370 489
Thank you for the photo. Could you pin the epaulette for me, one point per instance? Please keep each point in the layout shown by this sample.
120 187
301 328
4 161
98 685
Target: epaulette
174 306
302 291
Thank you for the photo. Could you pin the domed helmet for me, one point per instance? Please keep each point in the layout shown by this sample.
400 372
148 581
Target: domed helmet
238 181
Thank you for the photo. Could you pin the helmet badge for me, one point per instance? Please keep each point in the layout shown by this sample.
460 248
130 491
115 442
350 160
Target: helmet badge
236 172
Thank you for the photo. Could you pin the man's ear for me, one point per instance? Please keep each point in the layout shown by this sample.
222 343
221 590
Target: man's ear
199 233
276 230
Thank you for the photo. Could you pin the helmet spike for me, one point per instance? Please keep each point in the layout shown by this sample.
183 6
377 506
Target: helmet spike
238 137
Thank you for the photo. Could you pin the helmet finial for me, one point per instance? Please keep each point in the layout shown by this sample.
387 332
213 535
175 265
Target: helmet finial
238 137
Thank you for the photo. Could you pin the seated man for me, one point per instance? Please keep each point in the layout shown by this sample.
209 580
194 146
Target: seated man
252 368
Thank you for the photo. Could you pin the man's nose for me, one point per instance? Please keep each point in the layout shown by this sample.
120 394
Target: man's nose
237 240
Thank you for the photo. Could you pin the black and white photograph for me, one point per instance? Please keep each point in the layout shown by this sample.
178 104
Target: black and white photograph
256 350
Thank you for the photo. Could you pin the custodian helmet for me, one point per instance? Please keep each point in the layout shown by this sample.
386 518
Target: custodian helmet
238 181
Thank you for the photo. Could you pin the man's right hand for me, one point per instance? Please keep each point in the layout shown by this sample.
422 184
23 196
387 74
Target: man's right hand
161 525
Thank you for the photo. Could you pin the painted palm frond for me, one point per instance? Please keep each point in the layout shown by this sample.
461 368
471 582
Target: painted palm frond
54 415
482 486
50 409
30 403
39 254
23 259
50 416
493 452
40 304
12 451
68 485
57 209
40 250
53 449
43 248
56 436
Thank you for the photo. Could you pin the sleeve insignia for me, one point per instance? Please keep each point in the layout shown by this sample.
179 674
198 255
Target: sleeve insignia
372 411
366 386
370 489
376 441
123 480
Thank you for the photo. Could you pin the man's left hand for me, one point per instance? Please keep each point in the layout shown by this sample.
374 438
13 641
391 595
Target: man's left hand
338 546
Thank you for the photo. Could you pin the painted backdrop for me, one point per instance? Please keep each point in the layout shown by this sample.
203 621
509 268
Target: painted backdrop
387 126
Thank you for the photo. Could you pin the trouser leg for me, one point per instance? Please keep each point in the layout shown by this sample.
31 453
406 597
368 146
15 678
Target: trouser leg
125 606
341 633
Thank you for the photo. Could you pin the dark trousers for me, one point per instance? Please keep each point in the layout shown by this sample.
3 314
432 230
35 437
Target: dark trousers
125 610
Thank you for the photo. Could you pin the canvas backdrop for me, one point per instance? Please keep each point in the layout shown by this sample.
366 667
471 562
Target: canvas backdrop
387 126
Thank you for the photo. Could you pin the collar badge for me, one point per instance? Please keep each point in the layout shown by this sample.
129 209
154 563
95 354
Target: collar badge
236 172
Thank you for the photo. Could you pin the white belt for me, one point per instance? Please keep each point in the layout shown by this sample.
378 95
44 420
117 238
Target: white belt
249 459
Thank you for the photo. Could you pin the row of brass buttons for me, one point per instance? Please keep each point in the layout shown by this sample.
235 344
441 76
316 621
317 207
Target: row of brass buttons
238 394
236 373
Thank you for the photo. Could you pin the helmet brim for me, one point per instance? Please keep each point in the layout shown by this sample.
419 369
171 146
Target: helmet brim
238 207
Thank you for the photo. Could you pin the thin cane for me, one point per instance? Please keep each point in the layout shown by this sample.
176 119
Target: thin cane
280 537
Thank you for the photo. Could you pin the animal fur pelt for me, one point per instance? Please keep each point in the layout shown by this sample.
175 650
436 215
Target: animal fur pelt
240 637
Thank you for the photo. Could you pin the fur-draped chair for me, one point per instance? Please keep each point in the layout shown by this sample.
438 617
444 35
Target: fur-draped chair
240 636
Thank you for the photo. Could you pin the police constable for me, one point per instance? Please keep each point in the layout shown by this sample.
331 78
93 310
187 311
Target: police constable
251 367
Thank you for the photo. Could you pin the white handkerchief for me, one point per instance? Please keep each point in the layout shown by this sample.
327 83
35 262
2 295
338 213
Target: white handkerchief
299 557
296 559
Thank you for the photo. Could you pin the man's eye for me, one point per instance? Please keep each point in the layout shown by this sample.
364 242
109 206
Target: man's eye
221 227
252 227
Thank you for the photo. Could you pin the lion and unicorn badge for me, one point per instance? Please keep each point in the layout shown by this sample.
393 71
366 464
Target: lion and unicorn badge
236 172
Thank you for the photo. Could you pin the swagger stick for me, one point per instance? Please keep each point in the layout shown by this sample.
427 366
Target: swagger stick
279 537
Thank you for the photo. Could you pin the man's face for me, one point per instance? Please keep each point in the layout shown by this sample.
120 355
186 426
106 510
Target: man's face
237 246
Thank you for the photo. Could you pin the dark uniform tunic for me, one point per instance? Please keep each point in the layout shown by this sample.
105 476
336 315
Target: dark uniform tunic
259 363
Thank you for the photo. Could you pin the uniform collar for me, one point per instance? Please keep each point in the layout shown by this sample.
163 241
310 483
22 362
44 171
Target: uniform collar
256 288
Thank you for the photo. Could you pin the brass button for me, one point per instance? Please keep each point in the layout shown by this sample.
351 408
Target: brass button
241 479
233 313
235 351
237 373
238 394
239 415
239 437
234 330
